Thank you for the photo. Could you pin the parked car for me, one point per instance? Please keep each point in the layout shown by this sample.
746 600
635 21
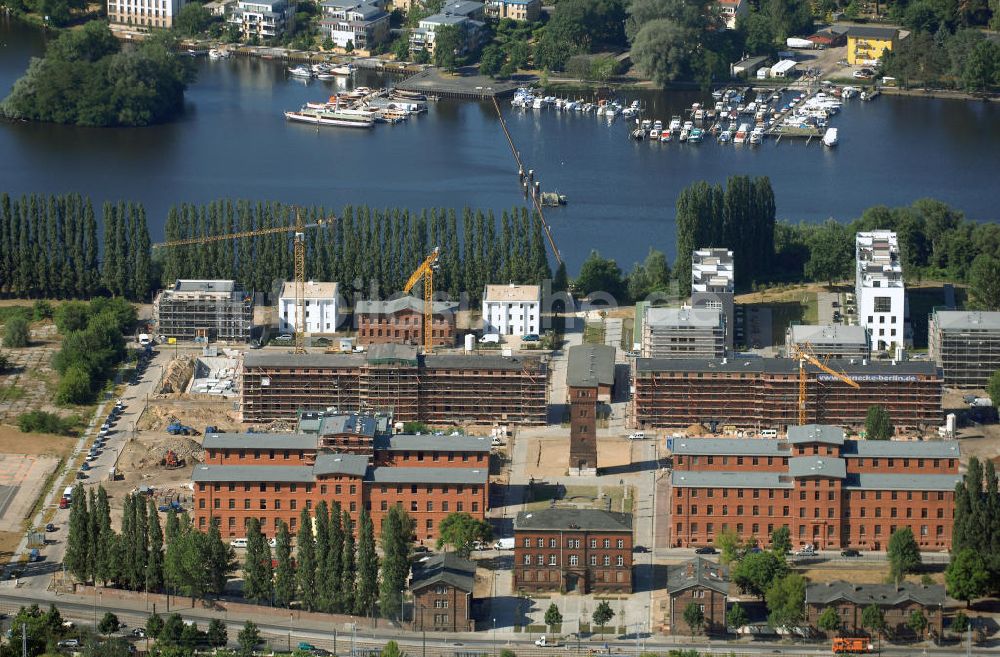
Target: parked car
284 336
850 552
705 549
69 643
641 549
238 542
638 435
50 527
139 633
531 337
805 551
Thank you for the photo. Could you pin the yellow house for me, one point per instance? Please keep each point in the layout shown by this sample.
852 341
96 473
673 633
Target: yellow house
866 45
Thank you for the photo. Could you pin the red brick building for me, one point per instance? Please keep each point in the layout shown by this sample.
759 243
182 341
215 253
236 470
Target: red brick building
897 602
274 477
442 587
573 550
401 321
830 492
590 376
762 393
702 582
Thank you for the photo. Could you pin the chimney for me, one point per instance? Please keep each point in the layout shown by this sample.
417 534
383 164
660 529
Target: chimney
690 569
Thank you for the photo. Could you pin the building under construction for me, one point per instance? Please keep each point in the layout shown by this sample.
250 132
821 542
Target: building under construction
762 393
204 310
966 346
438 389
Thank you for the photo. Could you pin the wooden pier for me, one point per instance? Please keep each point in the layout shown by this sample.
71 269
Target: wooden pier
434 82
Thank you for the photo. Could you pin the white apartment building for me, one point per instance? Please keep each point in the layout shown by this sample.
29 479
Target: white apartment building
144 13
512 309
713 284
322 307
264 19
879 289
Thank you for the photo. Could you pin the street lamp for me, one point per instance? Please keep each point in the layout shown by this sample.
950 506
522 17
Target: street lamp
494 637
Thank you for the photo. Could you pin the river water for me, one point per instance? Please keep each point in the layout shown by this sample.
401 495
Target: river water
233 142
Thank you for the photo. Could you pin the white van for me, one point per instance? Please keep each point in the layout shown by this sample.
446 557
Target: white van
490 338
638 435
768 433
238 543
496 441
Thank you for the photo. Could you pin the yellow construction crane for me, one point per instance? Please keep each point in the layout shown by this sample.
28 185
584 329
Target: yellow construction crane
300 262
804 354
426 271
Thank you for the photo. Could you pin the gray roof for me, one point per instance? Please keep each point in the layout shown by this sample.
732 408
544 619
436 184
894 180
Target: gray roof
820 334
184 285
931 449
354 465
364 425
784 366
966 320
726 479
815 433
929 482
463 7
446 567
883 595
730 446
480 362
296 474
444 19
390 352
392 475
688 317
263 358
377 307
752 61
566 519
698 572
817 466
590 365
258 441
429 443
872 32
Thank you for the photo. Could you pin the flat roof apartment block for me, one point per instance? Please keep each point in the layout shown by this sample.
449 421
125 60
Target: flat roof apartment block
684 333
879 289
965 345
204 309
760 393
828 340
713 284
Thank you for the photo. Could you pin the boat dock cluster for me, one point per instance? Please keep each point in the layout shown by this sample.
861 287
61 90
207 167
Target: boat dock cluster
361 108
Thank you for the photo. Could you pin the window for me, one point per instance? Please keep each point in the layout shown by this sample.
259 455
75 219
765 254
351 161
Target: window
607 543
573 560
541 560
552 543
552 560
541 542
883 304
527 560
607 560
593 560
621 543
593 541
527 542
620 561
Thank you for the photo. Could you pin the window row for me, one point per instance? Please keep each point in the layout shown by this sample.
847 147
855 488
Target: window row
574 560
574 543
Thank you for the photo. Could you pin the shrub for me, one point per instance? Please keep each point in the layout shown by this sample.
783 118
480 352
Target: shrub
75 387
42 422
16 333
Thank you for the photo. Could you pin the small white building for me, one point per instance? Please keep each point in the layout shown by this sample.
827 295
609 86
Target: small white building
784 69
321 303
512 309
878 286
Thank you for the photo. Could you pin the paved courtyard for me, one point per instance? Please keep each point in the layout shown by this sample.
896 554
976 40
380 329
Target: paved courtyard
21 479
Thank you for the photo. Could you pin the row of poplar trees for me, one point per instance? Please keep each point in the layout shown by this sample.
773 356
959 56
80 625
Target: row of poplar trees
974 570
49 248
335 567
739 217
373 249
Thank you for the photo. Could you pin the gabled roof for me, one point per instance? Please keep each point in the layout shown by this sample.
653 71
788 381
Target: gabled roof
400 304
354 465
311 290
729 447
512 293
729 479
393 475
698 572
883 595
817 466
590 366
928 449
447 567
575 519
258 441
815 433
914 482
873 33
429 443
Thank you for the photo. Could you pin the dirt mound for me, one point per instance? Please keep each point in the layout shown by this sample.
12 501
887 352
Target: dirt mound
696 430
192 412
149 452
179 372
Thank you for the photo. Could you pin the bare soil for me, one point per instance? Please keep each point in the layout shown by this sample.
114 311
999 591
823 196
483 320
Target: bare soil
12 441
196 413
873 573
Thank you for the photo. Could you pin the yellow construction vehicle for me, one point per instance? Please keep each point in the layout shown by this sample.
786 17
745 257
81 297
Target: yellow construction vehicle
300 262
804 355
426 271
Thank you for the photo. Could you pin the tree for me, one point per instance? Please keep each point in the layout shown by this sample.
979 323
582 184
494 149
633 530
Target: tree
491 60
391 649
694 617
154 625
984 279
967 576
192 20
960 623
305 553
77 557
829 620
367 591
831 253
248 638
74 387
878 424
993 389
553 617
599 274
662 50
785 600
781 541
903 553
873 619
284 575
109 624
16 333
172 630
449 43
730 546
755 572
396 540
217 634
460 530
154 566
917 622
257 573
603 614
736 617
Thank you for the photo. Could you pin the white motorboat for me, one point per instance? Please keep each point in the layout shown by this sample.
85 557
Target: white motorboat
344 69
742 134
675 123
756 136
338 118
830 137
216 53
300 72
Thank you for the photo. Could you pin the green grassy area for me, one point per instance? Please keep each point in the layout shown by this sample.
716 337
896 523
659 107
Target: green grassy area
593 333
11 393
804 310
6 312
922 301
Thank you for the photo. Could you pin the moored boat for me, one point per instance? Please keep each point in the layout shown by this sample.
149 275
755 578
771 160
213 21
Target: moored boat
332 117
830 137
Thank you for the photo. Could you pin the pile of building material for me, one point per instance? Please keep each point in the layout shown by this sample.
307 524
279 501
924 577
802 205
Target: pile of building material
179 371
214 376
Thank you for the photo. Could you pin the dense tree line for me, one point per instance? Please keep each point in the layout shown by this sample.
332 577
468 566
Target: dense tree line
127 263
48 246
375 249
937 56
93 345
975 542
579 27
88 78
740 217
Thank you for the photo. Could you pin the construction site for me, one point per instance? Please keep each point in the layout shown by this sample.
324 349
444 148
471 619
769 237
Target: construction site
205 311
433 388
764 393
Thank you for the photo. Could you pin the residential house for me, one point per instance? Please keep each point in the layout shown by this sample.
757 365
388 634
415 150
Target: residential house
731 10
322 313
879 287
512 309
442 587
401 321
518 10
866 45
461 14
144 13
965 345
896 601
702 582
264 19
828 340
361 25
